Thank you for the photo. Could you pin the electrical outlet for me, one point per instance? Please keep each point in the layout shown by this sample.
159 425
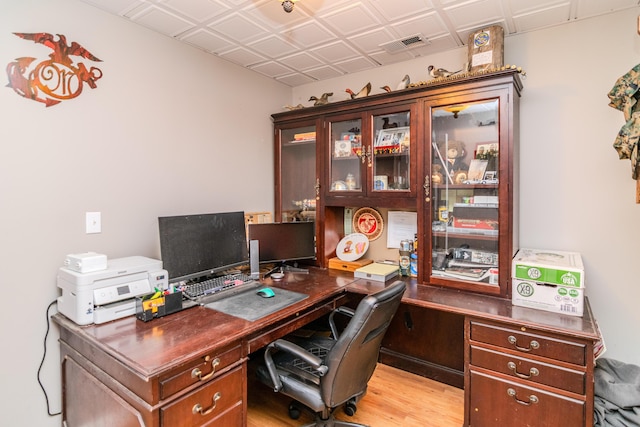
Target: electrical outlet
93 221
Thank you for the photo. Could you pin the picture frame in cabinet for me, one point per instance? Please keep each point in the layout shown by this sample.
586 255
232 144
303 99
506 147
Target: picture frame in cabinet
477 169
392 141
342 148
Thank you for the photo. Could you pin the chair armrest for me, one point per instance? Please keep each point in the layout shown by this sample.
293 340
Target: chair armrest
340 310
297 351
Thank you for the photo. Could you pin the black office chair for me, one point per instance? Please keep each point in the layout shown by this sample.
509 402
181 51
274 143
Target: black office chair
324 373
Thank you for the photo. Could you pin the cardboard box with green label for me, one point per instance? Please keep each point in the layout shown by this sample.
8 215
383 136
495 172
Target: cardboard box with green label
548 280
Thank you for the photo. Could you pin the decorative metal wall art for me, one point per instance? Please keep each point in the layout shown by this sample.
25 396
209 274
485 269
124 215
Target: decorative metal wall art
56 79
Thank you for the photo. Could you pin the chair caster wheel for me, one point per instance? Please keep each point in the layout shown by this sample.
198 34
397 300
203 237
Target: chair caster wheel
350 408
294 411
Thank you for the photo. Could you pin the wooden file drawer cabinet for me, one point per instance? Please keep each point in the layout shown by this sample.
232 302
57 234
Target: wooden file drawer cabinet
522 376
218 402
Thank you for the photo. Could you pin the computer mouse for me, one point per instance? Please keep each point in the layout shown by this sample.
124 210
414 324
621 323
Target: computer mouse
266 293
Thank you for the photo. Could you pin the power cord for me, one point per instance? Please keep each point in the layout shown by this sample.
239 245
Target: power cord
44 354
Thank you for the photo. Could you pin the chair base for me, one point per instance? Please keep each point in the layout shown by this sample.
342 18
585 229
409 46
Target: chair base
332 422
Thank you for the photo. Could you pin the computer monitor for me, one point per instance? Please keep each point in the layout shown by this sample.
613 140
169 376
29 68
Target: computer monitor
194 246
281 242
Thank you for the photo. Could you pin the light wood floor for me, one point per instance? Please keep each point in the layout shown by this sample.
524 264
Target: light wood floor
394 398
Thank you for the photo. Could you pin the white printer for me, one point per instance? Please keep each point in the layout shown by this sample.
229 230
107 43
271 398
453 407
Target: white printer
109 294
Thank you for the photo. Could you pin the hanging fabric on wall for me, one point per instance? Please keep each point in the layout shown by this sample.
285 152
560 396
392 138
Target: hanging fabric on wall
624 97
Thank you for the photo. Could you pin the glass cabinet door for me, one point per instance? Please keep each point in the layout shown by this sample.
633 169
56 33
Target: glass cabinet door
390 157
346 156
465 182
299 185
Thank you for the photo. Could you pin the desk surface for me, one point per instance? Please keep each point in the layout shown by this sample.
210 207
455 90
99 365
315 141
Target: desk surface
171 340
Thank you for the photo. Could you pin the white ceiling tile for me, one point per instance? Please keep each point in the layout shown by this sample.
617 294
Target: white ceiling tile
301 61
242 56
351 19
324 73
371 41
118 7
430 25
309 34
392 10
473 13
354 65
271 69
206 40
273 46
385 58
335 52
238 28
542 18
197 10
162 21
295 79
519 7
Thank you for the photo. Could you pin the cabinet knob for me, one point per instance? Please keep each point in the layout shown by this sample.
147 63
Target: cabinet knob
317 187
533 345
198 409
533 372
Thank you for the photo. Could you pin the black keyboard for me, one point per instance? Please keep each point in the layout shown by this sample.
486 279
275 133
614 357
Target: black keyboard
217 285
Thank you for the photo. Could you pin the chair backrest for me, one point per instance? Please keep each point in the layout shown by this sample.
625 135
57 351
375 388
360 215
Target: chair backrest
354 356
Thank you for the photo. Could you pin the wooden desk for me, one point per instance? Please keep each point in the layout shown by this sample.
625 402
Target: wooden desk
189 368
185 369
520 366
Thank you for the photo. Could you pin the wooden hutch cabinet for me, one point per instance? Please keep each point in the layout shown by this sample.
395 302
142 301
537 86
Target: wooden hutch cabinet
390 151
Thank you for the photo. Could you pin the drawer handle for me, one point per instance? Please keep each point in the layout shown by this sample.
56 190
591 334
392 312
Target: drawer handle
198 373
198 409
533 372
532 399
533 345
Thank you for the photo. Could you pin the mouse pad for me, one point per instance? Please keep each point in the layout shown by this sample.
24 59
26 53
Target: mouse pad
250 306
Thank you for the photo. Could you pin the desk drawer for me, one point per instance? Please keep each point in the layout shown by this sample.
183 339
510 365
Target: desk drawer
529 343
199 371
496 402
531 370
206 403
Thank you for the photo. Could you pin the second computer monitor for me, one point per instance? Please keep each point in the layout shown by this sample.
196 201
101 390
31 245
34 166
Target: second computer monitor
285 241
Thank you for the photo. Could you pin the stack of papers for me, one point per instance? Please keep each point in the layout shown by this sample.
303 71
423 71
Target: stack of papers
377 271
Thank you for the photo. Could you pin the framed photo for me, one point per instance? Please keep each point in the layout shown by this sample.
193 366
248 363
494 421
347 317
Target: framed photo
477 169
342 148
392 140
485 150
490 175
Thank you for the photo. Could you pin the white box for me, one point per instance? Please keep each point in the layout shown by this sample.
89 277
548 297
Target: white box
548 280
553 267
543 296
86 262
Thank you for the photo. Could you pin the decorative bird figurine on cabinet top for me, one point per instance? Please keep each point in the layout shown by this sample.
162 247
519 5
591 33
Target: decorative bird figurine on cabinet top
363 92
404 83
294 107
386 88
438 73
324 99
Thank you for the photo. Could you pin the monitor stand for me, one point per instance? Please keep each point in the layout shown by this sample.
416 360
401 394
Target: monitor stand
283 267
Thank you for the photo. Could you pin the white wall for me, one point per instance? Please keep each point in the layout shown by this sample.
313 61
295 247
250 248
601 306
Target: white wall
168 130
575 194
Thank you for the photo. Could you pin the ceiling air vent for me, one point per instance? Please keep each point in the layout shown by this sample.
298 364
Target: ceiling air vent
404 44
